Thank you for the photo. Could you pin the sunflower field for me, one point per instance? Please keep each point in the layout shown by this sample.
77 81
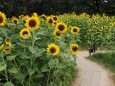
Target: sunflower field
40 50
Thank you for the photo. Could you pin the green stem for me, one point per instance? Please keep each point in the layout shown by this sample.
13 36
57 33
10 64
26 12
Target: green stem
6 74
48 78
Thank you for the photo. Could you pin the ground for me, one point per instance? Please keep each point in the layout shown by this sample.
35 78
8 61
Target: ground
90 73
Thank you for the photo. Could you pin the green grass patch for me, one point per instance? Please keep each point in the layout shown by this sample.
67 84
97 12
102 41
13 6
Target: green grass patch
106 59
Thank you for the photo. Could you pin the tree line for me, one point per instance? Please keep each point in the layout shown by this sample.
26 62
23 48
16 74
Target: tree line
18 7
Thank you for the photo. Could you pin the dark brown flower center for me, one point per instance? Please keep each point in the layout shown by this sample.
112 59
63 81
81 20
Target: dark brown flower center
15 21
52 50
25 33
74 30
74 48
7 49
32 23
61 27
50 21
43 17
55 18
58 33
1 19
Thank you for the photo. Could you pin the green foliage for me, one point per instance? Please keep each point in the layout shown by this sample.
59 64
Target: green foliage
106 59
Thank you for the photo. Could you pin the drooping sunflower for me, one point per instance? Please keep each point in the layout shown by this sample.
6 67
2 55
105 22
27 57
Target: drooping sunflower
25 33
61 27
74 48
53 49
32 23
57 33
74 30
50 20
15 20
3 19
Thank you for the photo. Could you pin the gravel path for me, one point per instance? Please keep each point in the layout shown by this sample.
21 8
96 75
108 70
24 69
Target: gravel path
90 73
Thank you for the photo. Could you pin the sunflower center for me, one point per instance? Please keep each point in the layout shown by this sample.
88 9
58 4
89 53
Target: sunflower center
43 17
25 33
74 30
61 27
50 21
74 48
52 50
15 21
55 18
32 23
1 19
58 33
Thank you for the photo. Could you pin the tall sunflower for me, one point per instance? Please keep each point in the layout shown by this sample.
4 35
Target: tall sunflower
57 33
15 20
75 30
3 19
53 49
32 23
61 27
25 33
74 48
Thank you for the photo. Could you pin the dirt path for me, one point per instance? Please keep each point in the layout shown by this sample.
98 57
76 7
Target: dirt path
90 73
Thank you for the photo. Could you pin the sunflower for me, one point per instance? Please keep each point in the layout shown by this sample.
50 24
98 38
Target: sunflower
15 20
75 30
53 49
7 50
2 19
74 48
32 23
35 14
61 27
8 46
8 43
43 17
50 20
55 18
1 46
101 29
57 33
25 33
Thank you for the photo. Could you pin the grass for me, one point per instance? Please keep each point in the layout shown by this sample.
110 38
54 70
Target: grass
106 59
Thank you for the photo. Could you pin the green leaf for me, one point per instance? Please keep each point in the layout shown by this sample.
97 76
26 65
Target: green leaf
31 71
10 58
2 66
44 68
32 50
13 70
8 84
19 76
